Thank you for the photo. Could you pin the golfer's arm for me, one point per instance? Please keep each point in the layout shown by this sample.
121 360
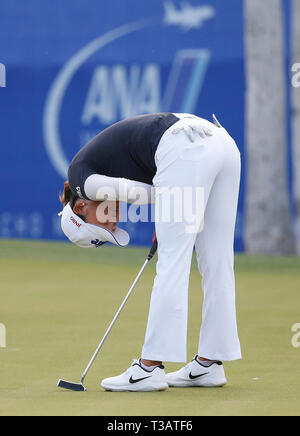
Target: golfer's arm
98 187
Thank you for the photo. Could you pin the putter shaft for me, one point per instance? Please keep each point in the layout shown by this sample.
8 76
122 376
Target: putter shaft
113 322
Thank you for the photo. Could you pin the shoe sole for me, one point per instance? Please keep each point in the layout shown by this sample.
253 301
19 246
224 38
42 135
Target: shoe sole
130 389
194 385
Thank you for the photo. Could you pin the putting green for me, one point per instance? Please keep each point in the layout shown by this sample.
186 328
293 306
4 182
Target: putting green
57 301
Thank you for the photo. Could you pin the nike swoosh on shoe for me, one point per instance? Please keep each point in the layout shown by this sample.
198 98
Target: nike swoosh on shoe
192 377
131 380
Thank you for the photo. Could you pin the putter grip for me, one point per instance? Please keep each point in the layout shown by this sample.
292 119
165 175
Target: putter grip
153 250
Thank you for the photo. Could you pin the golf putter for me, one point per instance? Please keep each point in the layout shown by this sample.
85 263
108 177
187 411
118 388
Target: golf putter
79 386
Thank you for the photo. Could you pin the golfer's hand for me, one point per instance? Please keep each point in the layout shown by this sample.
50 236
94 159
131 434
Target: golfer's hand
192 127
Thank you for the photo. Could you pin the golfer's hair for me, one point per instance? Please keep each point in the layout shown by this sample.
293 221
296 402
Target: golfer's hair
68 197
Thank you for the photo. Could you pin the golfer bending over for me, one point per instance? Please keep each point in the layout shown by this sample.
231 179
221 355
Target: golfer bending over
199 163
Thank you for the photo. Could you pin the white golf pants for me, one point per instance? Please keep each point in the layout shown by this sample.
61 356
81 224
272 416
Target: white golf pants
211 168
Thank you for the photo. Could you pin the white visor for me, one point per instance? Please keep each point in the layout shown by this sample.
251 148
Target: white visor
89 235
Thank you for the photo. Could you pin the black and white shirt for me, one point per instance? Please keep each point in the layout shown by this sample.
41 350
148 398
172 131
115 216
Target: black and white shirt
120 157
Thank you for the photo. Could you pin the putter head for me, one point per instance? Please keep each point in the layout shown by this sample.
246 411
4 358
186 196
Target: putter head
71 386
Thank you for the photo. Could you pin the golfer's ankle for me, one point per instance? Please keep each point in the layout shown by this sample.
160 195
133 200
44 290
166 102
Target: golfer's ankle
203 358
150 362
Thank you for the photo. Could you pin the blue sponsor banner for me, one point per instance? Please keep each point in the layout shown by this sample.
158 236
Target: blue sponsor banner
75 67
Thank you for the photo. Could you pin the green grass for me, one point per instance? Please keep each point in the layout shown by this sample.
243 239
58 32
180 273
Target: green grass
57 301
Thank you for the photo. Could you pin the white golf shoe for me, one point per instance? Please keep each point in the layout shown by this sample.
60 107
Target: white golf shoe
137 379
196 374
